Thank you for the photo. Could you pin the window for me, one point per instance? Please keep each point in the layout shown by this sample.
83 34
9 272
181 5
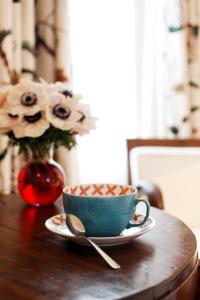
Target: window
102 46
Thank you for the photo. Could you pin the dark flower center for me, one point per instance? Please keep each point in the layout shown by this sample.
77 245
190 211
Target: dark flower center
13 116
61 112
34 118
82 118
28 99
67 93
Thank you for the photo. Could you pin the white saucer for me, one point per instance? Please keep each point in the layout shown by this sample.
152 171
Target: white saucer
57 225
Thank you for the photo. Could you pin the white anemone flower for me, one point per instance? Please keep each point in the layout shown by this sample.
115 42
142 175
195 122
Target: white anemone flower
8 121
32 125
62 112
60 87
27 97
85 121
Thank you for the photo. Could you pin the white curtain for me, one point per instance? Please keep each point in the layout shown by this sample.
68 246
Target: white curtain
130 61
120 70
34 42
103 50
161 66
6 64
150 37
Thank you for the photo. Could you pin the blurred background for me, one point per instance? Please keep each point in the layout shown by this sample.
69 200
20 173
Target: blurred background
136 63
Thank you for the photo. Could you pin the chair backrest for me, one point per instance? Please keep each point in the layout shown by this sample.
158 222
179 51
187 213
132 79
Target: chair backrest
133 143
174 166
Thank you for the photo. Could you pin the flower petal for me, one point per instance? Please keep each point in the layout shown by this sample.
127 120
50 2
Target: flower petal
62 112
85 122
31 129
17 103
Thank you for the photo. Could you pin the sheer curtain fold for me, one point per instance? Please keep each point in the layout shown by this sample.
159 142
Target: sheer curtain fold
34 42
68 158
28 38
5 69
191 25
168 84
45 35
151 38
160 86
17 66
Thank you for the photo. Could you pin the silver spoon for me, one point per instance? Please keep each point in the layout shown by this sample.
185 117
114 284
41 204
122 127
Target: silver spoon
77 228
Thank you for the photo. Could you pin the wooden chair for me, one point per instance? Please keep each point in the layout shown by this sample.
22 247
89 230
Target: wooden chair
132 143
152 191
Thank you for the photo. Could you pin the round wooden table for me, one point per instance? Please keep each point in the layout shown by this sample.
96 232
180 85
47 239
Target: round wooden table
37 264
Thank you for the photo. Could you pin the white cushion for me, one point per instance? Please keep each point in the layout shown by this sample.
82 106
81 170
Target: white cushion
177 172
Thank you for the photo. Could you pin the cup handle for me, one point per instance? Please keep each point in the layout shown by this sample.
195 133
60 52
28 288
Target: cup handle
130 224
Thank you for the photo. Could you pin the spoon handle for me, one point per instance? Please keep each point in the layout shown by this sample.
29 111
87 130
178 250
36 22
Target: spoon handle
107 258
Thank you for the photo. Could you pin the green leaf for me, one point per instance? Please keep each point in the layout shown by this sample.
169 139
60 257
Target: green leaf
174 28
194 108
26 46
194 29
29 71
3 34
185 119
193 84
41 42
174 130
40 146
3 154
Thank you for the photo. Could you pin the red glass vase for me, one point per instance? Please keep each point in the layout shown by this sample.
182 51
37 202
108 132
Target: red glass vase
40 182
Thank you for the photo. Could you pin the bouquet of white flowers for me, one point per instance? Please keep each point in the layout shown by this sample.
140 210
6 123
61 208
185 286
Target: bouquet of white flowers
37 115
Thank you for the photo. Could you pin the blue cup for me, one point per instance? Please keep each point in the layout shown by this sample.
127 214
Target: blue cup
104 209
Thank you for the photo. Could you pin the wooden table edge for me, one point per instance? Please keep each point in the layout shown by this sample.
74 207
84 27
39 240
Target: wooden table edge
182 283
